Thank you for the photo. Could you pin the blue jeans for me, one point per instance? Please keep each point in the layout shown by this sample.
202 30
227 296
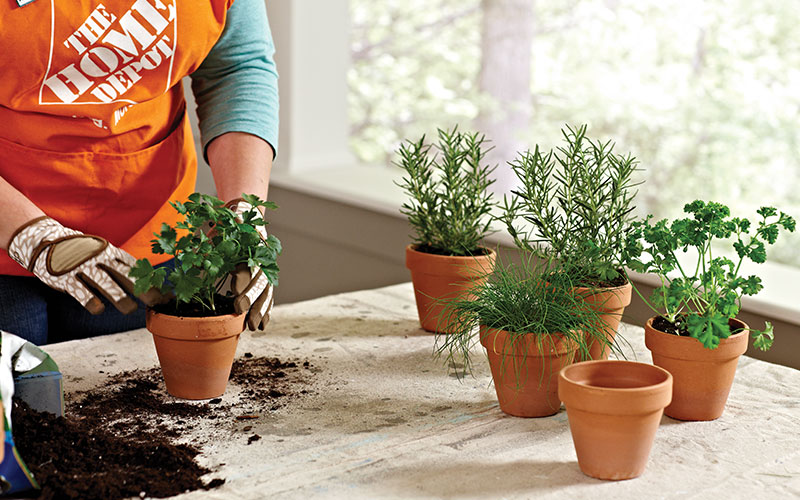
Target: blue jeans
32 310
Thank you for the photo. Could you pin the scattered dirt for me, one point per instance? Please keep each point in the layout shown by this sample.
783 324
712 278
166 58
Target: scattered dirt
128 437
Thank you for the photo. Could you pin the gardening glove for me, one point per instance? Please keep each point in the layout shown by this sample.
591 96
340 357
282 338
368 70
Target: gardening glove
80 265
251 288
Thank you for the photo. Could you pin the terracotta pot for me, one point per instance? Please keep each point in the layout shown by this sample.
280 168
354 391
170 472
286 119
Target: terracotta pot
610 303
526 374
703 377
196 354
437 277
614 408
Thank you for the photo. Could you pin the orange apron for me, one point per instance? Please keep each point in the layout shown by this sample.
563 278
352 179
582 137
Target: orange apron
93 119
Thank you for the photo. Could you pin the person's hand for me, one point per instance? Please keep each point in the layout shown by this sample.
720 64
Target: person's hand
251 288
80 265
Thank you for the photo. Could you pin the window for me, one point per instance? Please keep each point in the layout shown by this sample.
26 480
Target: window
704 94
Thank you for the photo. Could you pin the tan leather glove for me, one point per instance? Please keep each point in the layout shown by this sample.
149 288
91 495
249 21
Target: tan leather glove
80 265
251 288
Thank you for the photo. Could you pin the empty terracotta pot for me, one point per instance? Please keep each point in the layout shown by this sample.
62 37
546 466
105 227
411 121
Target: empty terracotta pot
196 354
614 408
703 377
610 303
525 374
437 277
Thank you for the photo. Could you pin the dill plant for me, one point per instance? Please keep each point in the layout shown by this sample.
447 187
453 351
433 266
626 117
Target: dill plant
533 298
449 201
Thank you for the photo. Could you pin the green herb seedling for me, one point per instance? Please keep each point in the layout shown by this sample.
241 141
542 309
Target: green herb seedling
203 257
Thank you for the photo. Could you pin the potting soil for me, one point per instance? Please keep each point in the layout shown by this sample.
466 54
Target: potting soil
127 438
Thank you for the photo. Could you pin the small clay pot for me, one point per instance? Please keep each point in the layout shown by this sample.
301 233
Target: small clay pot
614 408
525 374
610 303
196 354
703 377
438 277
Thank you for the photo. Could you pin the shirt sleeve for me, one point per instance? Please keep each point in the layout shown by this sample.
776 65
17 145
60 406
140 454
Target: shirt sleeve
236 86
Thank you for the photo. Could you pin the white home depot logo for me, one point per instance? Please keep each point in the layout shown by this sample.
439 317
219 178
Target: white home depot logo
111 53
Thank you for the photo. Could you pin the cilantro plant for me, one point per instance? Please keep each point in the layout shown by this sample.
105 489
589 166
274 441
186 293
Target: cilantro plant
208 245
699 301
577 203
449 200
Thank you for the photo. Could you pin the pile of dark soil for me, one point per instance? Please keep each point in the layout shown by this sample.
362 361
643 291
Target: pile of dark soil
125 438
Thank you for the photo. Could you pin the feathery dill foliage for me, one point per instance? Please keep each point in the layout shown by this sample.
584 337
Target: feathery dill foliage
533 298
578 201
447 185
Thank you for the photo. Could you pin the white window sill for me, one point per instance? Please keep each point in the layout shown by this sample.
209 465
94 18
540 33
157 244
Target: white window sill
374 188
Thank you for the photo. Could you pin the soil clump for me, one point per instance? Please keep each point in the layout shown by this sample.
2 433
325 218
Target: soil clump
128 437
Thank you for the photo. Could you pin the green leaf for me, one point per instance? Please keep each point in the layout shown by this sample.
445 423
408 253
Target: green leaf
763 339
767 212
708 328
186 286
758 252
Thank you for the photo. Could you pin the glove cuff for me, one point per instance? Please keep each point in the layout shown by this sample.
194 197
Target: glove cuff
238 206
27 241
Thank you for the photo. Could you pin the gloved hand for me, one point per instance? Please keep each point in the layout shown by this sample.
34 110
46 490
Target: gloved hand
80 265
251 288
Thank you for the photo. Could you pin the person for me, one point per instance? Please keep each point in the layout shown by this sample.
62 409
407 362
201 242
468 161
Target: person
95 142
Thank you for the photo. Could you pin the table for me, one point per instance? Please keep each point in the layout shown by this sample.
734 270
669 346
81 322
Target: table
386 420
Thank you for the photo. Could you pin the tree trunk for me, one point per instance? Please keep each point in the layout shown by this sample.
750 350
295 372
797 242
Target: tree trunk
505 79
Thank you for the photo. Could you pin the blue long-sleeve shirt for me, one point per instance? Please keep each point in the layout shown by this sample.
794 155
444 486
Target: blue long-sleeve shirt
236 86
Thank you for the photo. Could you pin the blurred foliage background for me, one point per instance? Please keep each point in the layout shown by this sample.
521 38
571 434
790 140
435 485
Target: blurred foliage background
706 94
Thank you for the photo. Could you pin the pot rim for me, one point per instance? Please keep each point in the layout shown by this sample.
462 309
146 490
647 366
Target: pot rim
667 381
466 267
605 289
599 399
562 343
606 298
195 327
690 348
412 247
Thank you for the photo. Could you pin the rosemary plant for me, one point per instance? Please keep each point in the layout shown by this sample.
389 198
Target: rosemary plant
532 298
577 202
449 200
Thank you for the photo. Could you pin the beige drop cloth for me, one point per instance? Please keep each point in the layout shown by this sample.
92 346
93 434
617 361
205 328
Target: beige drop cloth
386 420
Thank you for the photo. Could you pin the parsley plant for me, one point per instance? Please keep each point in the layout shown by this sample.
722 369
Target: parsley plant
700 301
204 258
